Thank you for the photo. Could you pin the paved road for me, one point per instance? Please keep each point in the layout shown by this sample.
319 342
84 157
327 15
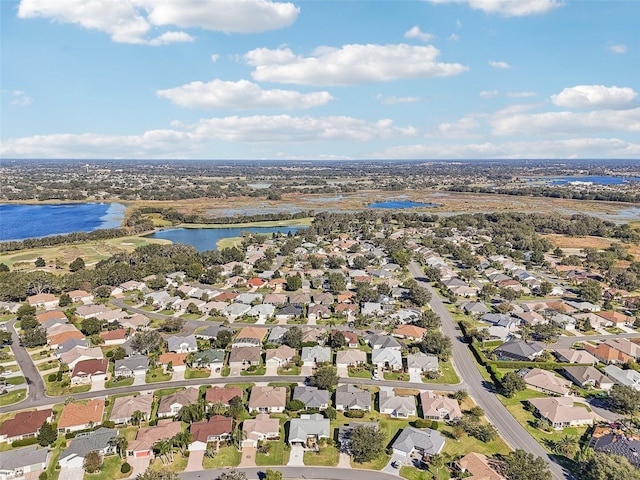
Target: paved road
567 342
479 389
308 473
34 381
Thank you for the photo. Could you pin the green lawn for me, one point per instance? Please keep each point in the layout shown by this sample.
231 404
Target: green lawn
412 473
18 380
261 370
226 457
112 383
56 389
196 373
110 470
291 370
13 397
157 375
48 365
327 457
404 377
191 316
178 465
359 372
448 374
278 454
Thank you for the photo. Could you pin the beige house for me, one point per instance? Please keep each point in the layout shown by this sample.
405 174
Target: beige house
546 382
561 412
350 358
438 407
268 399
124 407
480 467
260 428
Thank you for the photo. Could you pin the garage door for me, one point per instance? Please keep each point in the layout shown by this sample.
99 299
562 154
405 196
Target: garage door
143 454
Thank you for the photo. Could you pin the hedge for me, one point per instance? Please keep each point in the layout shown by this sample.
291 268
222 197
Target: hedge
24 442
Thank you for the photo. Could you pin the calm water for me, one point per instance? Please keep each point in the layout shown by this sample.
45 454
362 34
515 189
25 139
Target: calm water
596 180
207 238
400 204
18 222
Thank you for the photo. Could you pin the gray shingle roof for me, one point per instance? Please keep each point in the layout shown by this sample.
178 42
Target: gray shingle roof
88 442
429 441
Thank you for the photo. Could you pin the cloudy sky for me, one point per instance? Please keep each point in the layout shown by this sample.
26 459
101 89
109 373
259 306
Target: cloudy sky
261 79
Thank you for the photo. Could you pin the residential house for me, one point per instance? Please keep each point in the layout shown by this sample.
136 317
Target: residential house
387 358
299 299
371 309
308 430
351 397
480 467
186 344
289 312
24 425
222 395
249 337
561 412
376 341
475 308
244 357
587 377
396 406
410 332
569 355
170 405
213 359
124 407
100 440
90 311
146 437
47 301
217 428
311 397
519 351
51 318
275 299
23 462
439 407
235 310
249 298
344 433
318 311
136 322
114 337
545 381
426 442
406 315
62 333
79 416
173 362
350 337
136 366
86 371
350 358
323 298
617 318
260 428
614 350
265 399
276 335
312 356
80 353
211 332
313 334
628 378
618 444
262 311
280 357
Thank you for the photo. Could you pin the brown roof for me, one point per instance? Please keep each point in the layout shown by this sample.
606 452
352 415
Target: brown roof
216 426
616 317
219 394
51 315
251 354
479 467
25 423
410 331
41 297
252 332
117 334
149 435
267 397
176 359
64 336
123 407
90 367
74 414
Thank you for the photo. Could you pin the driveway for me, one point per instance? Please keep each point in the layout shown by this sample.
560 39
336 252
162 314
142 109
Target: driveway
72 473
139 379
394 458
139 465
272 371
343 371
177 375
296 459
195 460
97 385
415 377
306 371
345 460
248 458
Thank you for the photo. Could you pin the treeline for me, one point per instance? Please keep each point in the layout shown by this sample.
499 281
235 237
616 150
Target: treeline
53 240
552 192
175 217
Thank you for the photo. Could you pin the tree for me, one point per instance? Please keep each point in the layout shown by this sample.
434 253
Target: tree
34 337
293 338
520 465
273 474
624 399
236 408
118 353
325 378
40 262
338 340
103 292
591 291
147 341
3 268
366 443
5 337
436 343
193 412
567 445
429 320
181 440
77 264
294 282
120 443
295 405
137 417
606 466
337 282
232 474
155 474
65 300
92 462
512 383
460 395
28 322
546 332
172 324
545 288
25 310
91 326
46 435
223 339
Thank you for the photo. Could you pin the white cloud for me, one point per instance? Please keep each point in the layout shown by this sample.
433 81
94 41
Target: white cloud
393 100
285 128
18 98
521 94
499 64
240 95
462 127
132 21
508 8
488 93
151 144
558 123
595 96
350 65
618 48
415 32
454 38
215 57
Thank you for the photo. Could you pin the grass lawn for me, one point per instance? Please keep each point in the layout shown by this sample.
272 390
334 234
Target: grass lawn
18 380
48 365
110 470
448 374
291 370
278 454
326 457
404 377
52 473
157 375
196 373
412 473
112 383
191 316
178 465
376 464
13 397
226 457
55 389
261 370
359 372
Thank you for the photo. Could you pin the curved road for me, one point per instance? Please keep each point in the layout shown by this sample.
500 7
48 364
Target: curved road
324 473
479 389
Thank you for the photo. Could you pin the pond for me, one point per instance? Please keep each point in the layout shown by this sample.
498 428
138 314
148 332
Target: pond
401 204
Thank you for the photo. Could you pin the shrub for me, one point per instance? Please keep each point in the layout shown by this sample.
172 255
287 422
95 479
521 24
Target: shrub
24 442
52 377
125 468
422 423
42 476
354 414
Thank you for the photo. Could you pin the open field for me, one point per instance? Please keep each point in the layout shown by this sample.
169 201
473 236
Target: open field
578 243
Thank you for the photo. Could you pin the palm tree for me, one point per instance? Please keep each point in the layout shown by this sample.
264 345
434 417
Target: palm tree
218 408
182 440
120 443
137 417
437 462
164 450
567 446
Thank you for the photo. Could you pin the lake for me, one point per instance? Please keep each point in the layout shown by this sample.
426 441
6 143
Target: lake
401 204
19 221
207 238
594 179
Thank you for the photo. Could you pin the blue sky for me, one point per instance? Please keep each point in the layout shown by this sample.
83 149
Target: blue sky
259 79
